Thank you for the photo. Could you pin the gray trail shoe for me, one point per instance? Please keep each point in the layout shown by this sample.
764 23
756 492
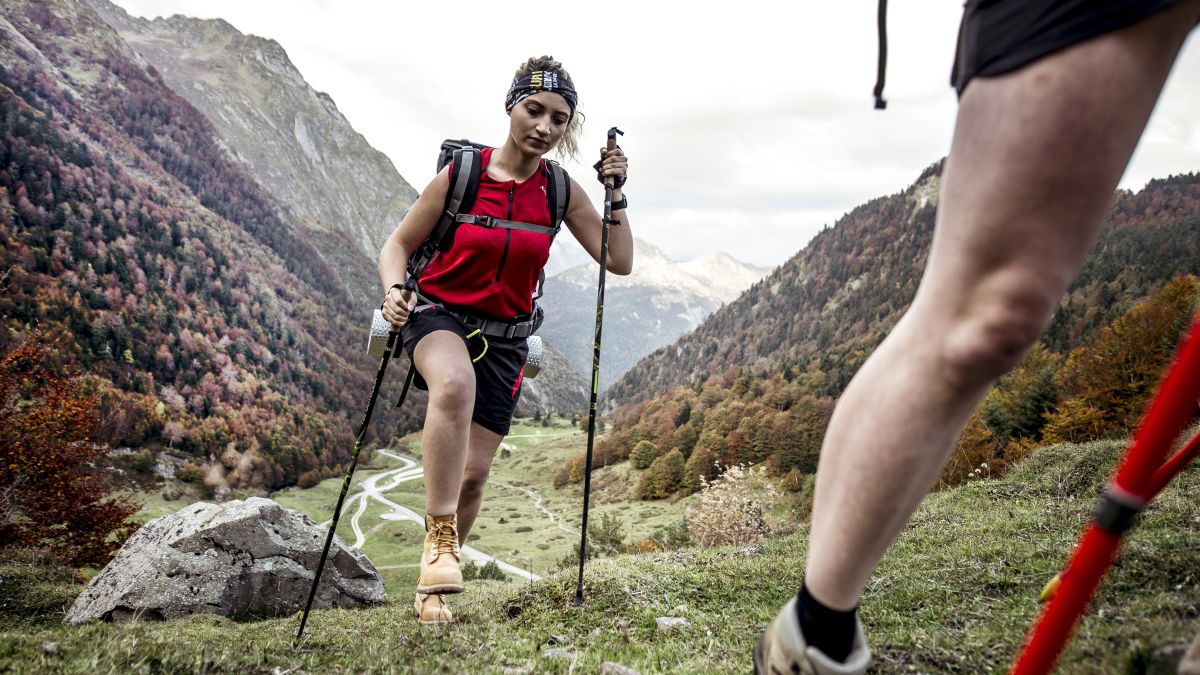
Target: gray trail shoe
781 650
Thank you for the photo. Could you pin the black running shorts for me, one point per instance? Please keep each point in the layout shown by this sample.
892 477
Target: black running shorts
999 36
498 374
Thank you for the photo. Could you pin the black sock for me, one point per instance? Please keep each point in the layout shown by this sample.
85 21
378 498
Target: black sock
830 630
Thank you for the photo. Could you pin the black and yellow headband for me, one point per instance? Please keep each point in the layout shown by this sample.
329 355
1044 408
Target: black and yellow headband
539 81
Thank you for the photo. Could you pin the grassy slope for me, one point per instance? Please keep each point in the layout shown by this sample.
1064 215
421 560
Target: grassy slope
954 595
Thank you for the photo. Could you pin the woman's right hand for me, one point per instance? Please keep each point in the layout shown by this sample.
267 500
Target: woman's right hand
398 304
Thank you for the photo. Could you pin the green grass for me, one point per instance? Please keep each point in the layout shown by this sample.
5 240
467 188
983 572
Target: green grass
956 594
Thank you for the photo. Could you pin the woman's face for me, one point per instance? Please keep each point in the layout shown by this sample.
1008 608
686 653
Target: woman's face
539 121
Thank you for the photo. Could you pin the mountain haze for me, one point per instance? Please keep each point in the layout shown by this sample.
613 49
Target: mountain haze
655 304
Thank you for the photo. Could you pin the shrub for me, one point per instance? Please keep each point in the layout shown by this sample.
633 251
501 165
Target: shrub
50 496
643 454
701 466
189 473
144 461
663 477
673 536
731 509
491 570
309 478
607 535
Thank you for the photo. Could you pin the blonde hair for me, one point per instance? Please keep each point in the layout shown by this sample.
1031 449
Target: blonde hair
568 147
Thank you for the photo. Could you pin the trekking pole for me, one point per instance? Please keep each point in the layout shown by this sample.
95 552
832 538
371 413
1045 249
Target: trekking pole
337 511
1139 477
609 182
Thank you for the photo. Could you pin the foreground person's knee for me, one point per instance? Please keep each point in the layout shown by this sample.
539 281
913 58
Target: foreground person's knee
993 339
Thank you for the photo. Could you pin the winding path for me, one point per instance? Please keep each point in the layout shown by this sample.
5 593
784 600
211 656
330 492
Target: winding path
373 488
537 503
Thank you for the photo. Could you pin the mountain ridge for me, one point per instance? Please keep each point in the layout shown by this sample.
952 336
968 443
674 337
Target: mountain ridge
660 300
294 140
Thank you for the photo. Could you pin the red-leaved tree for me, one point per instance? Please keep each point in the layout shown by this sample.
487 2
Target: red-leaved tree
51 495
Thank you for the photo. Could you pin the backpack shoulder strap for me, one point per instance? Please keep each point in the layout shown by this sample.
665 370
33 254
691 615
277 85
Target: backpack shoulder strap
465 172
460 196
558 198
558 194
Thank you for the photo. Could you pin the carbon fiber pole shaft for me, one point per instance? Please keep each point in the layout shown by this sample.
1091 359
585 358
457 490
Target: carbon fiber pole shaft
337 511
587 474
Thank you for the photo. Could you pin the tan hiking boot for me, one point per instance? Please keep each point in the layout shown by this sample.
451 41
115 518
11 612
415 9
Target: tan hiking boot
781 650
431 608
440 572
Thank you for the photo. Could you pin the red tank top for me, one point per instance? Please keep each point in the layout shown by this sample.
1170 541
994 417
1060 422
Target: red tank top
493 272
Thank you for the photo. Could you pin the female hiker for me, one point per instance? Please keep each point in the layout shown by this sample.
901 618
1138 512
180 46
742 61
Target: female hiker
470 296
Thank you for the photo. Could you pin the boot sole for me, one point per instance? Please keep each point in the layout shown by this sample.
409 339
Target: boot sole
441 589
427 622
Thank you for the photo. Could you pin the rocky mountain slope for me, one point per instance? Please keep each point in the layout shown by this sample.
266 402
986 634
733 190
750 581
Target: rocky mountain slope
660 301
292 139
188 298
560 387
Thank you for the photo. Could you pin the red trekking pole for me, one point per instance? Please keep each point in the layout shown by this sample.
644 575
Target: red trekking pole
1142 474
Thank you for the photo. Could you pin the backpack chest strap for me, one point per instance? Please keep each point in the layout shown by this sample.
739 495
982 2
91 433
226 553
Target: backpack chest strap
490 222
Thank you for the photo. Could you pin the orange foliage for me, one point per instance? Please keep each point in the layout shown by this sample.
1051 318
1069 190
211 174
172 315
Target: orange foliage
51 496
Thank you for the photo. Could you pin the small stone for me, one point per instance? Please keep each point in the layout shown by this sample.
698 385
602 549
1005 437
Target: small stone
612 668
668 624
50 648
557 639
517 670
623 624
558 653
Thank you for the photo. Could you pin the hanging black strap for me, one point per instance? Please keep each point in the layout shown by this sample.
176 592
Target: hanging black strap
412 370
880 73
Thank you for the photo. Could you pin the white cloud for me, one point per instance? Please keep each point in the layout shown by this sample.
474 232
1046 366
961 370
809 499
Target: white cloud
754 117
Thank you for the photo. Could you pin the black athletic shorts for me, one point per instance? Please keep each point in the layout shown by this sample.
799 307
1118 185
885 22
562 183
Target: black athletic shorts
498 374
999 36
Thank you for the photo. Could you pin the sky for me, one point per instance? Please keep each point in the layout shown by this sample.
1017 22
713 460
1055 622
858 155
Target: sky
749 125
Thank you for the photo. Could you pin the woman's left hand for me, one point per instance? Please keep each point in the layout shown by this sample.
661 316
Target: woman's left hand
613 163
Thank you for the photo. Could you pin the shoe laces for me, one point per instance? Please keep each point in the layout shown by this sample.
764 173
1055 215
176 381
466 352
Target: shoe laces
445 539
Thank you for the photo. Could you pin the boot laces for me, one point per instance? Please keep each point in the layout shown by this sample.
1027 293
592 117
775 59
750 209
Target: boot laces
445 539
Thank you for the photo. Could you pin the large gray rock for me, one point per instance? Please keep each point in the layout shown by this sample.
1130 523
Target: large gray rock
1190 665
246 557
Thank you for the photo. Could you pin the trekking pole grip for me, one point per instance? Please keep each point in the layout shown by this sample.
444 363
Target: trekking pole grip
611 181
